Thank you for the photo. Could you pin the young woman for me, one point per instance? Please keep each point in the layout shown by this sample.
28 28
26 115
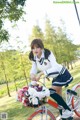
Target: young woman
45 63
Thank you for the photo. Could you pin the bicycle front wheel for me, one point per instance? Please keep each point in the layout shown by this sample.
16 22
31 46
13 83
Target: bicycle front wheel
76 100
42 115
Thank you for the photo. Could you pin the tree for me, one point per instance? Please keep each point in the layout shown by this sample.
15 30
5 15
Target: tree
36 33
3 66
14 67
50 36
59 43
66 51
3 33
11 10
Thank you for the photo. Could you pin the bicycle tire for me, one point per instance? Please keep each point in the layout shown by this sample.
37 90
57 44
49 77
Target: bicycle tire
75 101
37 115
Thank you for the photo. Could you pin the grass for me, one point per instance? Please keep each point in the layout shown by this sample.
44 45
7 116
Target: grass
3 88
16 111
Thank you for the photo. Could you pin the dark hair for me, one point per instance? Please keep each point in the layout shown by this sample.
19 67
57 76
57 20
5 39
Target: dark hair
38 43
46 53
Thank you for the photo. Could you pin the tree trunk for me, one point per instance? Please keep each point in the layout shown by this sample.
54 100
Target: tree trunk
24 70
8 89
67 64
71 65
15 85
25 77
6 80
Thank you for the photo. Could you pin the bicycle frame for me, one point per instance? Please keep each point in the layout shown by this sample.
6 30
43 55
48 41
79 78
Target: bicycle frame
68 100
44 109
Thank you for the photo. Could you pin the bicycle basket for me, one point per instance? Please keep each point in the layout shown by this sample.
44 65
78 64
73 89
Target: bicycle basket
37 96
27 100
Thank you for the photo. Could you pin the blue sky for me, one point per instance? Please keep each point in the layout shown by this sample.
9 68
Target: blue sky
36 12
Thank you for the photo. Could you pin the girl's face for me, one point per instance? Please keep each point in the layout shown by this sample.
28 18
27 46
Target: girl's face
37 51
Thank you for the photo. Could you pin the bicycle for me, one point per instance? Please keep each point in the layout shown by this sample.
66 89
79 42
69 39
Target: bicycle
44 113
72 99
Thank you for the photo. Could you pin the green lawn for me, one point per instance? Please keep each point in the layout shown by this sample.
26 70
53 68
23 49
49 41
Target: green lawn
15 109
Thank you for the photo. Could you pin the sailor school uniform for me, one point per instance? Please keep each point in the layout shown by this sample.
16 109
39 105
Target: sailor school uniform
51 68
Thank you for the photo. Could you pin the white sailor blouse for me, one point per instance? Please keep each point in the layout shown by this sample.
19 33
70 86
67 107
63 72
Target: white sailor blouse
48 66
